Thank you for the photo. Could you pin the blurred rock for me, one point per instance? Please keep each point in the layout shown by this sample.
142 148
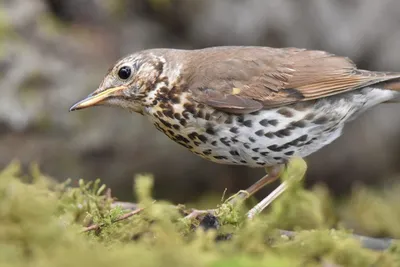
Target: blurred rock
55 52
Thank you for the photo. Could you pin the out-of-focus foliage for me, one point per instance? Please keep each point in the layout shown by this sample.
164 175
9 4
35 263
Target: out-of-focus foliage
42 222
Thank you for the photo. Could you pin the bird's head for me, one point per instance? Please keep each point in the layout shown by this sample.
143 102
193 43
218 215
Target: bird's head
127 83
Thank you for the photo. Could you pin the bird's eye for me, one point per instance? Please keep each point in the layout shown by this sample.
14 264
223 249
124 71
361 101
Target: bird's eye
124 72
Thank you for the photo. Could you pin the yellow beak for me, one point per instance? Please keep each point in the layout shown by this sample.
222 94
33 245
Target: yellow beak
95 99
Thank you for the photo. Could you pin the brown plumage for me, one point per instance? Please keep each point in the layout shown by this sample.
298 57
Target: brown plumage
251 106
270 77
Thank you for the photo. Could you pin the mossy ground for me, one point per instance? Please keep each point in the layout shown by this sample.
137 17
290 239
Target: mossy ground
42 222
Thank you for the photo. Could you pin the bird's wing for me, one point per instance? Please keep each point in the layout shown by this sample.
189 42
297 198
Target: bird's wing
247 79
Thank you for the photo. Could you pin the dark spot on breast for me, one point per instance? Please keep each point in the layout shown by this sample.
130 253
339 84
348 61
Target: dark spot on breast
176 126
159 114
246 145
168 112
275 148
256 149
240 118
269 135
208 116
229 120
273 122
234 140
182 138
299 124
202 138
185 114
287 145
177 116
234 130
285 112
210 130
175 99
243 161
164 105
259 133
167 124
192 135
207 152
220 157
171 132
260 163
189 108
224 140
234 153
312 140
283 132
182 122
320 120
200 114
155 102
164 90
309 116
248 123
255 158
309 142
264 122
265 153
196 143
214 143
289 153
251 139
277 158
303 138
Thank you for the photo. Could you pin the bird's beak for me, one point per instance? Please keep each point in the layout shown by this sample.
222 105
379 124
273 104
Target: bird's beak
96 98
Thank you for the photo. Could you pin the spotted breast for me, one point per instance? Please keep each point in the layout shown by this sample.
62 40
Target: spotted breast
258 139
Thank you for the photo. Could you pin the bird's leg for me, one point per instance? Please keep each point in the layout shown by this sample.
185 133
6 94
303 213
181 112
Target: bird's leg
295 169
272 175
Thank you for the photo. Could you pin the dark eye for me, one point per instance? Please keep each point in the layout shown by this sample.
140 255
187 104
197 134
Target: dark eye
124 72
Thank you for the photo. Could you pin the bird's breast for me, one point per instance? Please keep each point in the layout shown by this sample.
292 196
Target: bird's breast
258 139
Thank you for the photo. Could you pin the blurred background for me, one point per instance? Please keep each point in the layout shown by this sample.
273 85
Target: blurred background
54 52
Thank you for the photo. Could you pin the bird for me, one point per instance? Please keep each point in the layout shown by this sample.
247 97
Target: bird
254 106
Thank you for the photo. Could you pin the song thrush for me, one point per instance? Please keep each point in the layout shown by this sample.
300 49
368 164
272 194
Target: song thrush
252 106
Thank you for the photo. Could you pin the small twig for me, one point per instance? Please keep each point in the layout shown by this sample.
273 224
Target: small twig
129 214
123 217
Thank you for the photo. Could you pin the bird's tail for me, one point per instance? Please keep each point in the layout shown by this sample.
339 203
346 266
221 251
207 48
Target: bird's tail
393 85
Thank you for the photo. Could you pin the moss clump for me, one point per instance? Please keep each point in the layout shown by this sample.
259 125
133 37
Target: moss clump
42 223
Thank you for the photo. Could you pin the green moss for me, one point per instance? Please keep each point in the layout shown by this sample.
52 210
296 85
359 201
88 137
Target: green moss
42 223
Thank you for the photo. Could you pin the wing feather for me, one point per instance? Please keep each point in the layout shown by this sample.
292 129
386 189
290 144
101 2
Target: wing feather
271 77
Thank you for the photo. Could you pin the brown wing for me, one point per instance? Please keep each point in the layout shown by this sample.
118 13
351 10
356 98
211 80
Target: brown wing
246 79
